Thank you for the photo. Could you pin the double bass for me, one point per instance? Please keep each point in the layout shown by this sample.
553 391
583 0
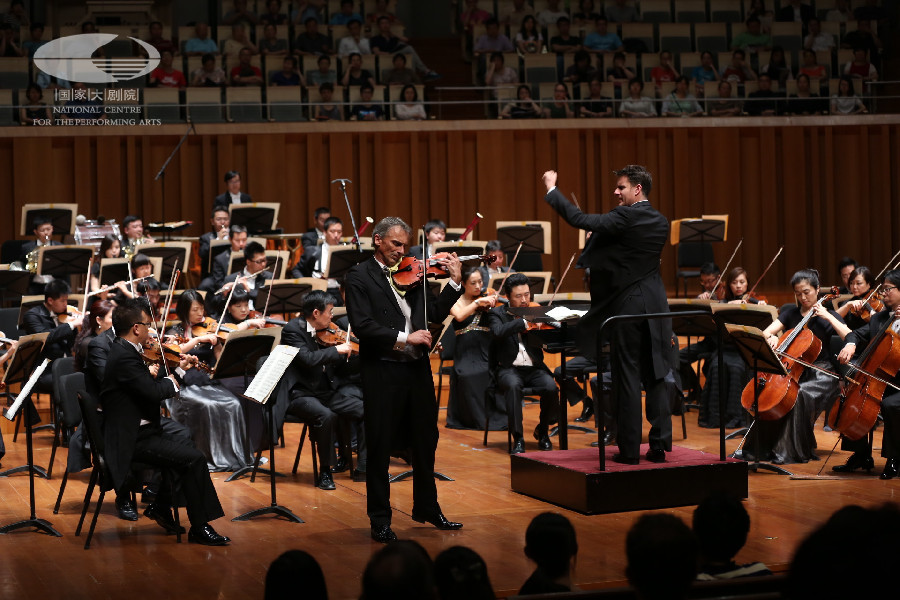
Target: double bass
778 393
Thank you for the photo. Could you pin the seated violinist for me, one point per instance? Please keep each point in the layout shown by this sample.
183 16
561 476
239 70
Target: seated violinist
253 274
856 312
497 267
521 365
238 312
435 232
316 395
315 257
736 288
709 277
856 343
701 349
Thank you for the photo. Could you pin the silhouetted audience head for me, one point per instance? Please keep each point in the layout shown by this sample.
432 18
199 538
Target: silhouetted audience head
461 574
293 571
550 542
402 570
854 540
721 524
662 557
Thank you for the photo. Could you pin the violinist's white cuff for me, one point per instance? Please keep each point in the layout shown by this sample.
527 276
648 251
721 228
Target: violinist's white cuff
174 383
180 372
456 286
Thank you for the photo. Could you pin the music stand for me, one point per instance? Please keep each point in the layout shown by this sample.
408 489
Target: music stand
62 216
62 261
171 253
22 368
691 326
759 356
287 294
257 217
216 247
343 259
13 283
695 231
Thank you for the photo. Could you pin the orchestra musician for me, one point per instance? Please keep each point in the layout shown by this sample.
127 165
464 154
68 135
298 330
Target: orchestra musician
709 275
220 220
623 253
496 267
43 230
435 232
398 389
519 361
133 232
860 285
109 248
131 412
315 234
701 349
216 277
314 262
856 343
845 267
233 193
253 274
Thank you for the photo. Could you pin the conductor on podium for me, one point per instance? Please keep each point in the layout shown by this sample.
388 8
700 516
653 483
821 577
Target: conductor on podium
623 254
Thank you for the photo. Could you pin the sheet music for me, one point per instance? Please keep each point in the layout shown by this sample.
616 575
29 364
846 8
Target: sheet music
561 313
270 374
10 413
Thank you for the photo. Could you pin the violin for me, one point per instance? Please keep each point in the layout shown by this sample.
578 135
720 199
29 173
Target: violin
71 313
869 307
335 336
270 322
171 353
778 393
534 326
207 325
411 270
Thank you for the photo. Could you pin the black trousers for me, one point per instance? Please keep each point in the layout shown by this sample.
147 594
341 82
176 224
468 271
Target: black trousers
157 448
400 413
321 420
347 403
575 367
512 380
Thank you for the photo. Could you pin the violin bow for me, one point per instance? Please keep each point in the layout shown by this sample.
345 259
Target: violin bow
509 270
171 294
725 270
158 338
269 295
893 258
424 277
87 286
349 327
575 200
561 279
772 262
225 308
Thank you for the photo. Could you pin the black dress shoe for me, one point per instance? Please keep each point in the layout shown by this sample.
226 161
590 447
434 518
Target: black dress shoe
383 534
625 460
891 469
207 536
856 461
586 413
358 476
609 438
438 520
325 481
656 455
340 466
518 446
541 434
163 517
126 510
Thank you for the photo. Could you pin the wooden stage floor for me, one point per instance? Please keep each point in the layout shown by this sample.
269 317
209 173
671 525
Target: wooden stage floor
128 558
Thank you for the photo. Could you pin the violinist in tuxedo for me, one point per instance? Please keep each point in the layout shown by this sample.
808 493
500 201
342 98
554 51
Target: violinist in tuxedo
435 232
220 220
623 253
314 262
233 193
314 235
519 362
497 267
700 349
254 273
398 389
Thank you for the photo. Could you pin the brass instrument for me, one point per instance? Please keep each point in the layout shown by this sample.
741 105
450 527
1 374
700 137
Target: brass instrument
130 250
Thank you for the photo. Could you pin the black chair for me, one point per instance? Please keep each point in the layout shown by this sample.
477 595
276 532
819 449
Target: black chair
67 388
448 341
9 322
493 397
100 473
60 368
691 256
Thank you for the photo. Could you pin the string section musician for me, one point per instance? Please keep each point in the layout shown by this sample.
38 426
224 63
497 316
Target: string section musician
623 254
398 389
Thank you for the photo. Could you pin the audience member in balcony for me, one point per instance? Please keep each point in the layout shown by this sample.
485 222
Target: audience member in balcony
582 71
308 9
354 41
636 105
33 108
345 14
871 11
818 40
271 44
209 74
552 14
472 16
753 39
240 14
738 71
777 67
764 102
524 107
529 40
237 42
664 72
273 14
400 74
551 543
498 74
409 107
200 44
311 42
841 12
388 43
513 15
355 74
705 71
795 11
586 13
381 10
245 73
621 11
864 37
165 75
323 74
35 41
860 67
725 105
564 42
492 40
662 557
620 73
326 110
560 107
156 39
9 48
289 74
596 105
602 41
812 69
758 9
721 525
679 103
17 17
366 109
846 102
805 102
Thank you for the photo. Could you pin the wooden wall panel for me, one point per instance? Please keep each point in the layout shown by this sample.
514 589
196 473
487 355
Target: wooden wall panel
823 190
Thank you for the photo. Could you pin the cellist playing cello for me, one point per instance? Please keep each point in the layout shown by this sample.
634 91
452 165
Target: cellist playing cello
885 321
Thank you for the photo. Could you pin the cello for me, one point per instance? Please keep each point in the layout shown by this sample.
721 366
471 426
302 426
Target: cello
778 393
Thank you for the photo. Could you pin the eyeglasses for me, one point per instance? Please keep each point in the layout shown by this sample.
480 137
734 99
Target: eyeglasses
887 288
259 261
144 324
